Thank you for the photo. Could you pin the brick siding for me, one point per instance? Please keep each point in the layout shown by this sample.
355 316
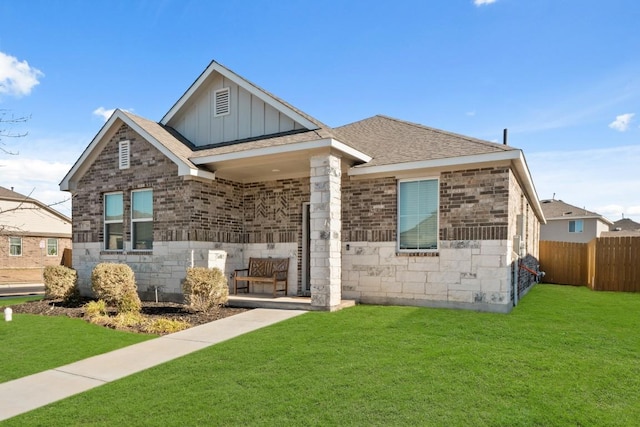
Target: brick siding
473 206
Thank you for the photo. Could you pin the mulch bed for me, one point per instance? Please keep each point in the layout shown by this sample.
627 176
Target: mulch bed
168 310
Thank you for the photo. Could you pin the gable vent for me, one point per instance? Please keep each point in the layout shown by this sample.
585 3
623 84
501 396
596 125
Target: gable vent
124 154
222 102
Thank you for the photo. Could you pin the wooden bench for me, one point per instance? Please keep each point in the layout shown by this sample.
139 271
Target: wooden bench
271 271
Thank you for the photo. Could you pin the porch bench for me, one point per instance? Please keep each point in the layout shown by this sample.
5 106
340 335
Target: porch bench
271 271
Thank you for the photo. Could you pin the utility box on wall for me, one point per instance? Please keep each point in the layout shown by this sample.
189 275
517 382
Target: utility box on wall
217 259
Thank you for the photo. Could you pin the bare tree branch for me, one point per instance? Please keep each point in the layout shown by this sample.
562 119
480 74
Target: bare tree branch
6 122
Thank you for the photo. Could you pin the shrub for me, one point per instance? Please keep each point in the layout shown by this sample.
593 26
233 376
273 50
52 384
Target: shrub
60 282
163 326
94 309
129 302
116 285
205 289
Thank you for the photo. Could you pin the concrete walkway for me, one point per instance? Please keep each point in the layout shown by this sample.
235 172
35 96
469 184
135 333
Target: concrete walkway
24 394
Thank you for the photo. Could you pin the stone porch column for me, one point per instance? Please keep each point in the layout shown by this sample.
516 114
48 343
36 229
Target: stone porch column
326 224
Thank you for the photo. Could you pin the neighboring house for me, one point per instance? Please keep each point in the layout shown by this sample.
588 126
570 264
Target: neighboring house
32 234
568 223
380 210
624 227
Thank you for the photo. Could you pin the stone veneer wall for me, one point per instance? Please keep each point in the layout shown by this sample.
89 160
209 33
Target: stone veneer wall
471 268
471 274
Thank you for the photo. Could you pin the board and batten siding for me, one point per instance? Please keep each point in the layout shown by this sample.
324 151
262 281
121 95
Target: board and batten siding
249 117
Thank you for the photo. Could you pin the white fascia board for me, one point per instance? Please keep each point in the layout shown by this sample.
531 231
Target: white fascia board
572 218
436 163
282 149
529 187
245 84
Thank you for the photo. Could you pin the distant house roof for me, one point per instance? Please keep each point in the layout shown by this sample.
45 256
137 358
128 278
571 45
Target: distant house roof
626 224
624 227
559 210
27 216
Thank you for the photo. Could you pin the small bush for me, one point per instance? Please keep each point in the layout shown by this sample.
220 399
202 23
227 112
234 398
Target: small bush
163 326
94 309
205 289
60 282
129 302
116 285
127 320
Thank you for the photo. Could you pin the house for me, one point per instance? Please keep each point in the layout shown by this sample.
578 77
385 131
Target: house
624 227
380 210
568 223
32 234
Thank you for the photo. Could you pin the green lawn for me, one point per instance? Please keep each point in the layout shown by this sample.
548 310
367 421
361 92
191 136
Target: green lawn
30 344
564 356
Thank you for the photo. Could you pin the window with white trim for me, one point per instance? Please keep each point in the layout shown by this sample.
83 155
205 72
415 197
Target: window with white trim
142 219
576 226
15 246
222 102
418 215
113 222
52 247
124 154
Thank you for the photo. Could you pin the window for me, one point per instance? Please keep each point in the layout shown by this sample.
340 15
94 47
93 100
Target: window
113 222
418 215
124 154
15 246
222 105
52 247
576 226
142 219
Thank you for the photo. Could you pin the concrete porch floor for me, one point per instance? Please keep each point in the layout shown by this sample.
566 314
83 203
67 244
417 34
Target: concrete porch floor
282 303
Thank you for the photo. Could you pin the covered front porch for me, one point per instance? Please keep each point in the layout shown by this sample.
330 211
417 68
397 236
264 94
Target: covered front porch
271 219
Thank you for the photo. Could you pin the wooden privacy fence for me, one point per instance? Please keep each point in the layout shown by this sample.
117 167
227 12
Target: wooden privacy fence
603 264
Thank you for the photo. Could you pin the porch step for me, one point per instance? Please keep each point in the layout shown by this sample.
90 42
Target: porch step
281 303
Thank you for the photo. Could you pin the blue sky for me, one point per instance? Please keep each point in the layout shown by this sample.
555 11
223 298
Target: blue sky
562 76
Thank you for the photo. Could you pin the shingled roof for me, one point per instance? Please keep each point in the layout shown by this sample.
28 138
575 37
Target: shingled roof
7 194
557 209
391 141
626 224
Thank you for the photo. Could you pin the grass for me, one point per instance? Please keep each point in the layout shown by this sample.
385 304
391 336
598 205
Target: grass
564 356
31 344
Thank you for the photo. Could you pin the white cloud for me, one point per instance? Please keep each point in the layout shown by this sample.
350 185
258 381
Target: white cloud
106 114
17 78
483 2
622 122
103 112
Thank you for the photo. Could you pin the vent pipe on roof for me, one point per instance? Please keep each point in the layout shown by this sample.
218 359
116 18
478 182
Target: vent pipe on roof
504 136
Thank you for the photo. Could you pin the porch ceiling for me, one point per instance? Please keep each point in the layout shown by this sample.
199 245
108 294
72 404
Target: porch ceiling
279 162
262 168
